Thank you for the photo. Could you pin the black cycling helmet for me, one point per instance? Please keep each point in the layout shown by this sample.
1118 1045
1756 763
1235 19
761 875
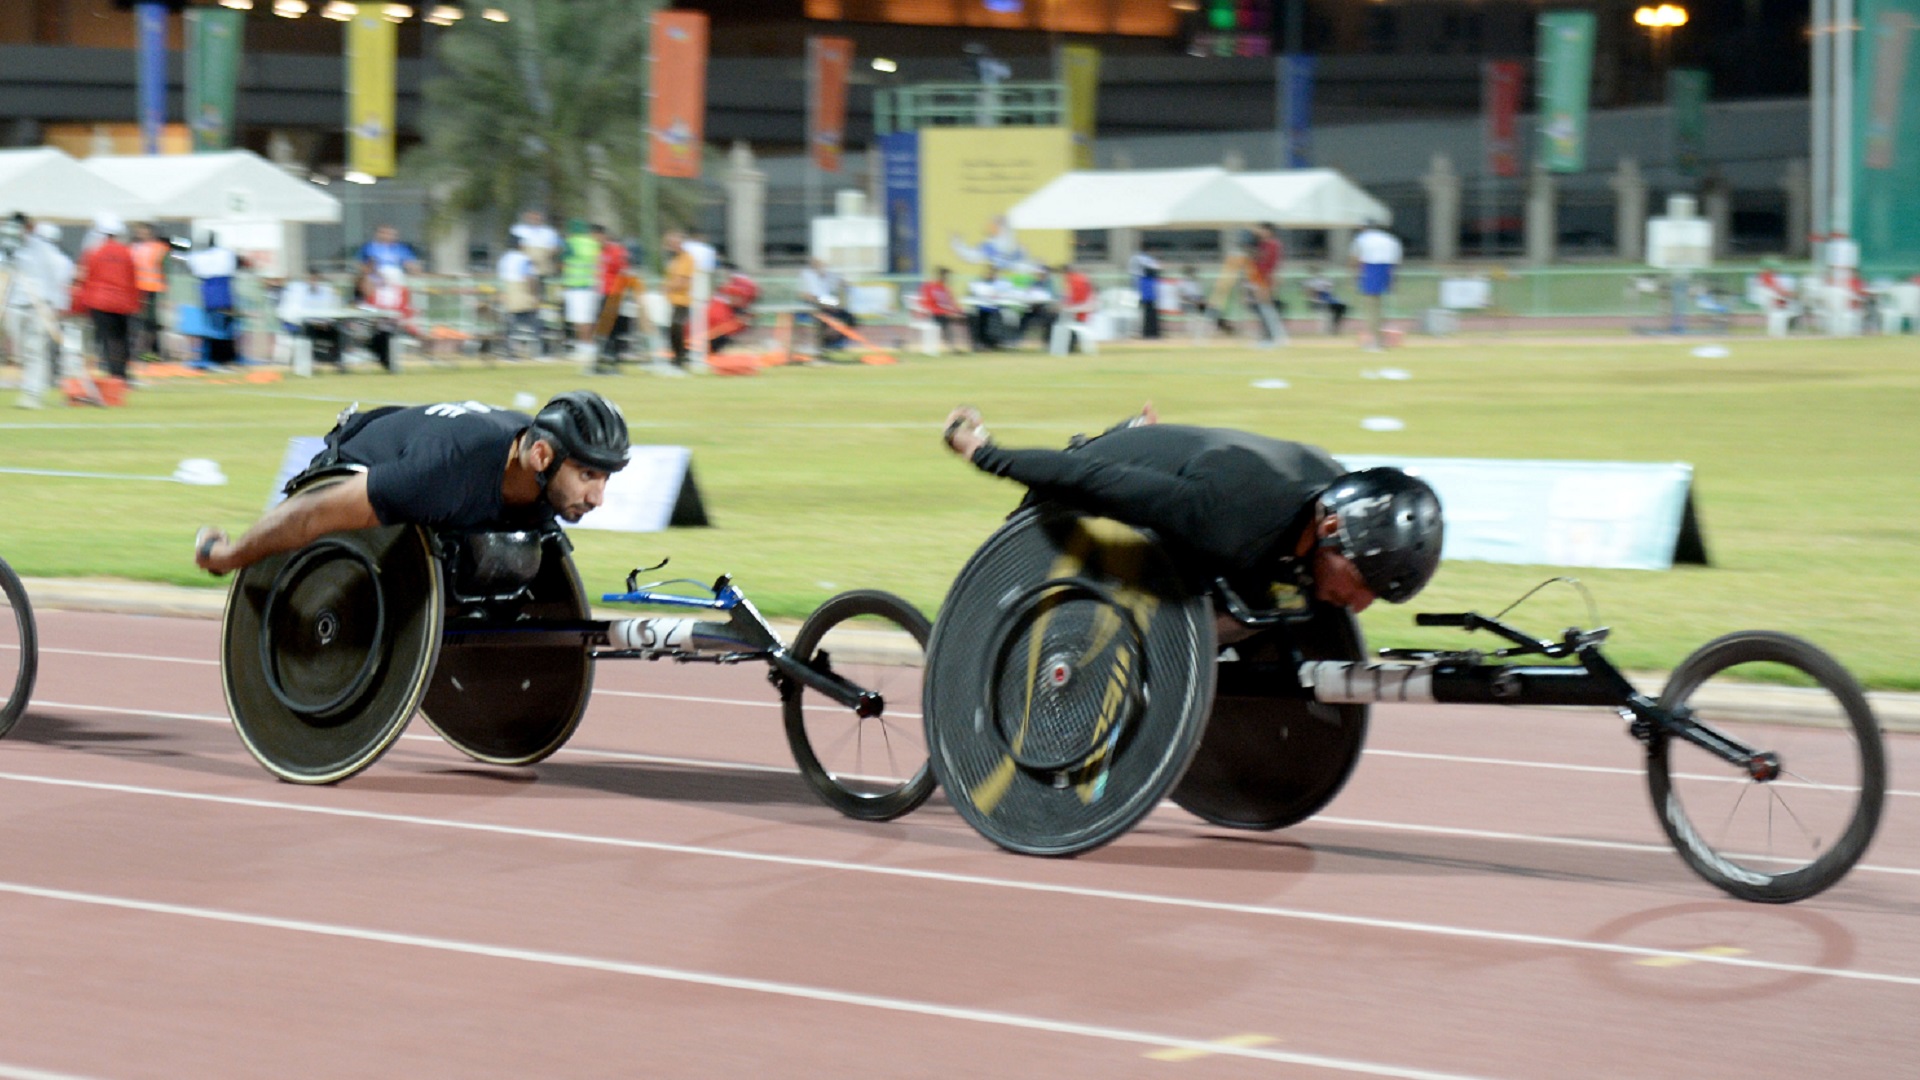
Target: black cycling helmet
1388 524
586 427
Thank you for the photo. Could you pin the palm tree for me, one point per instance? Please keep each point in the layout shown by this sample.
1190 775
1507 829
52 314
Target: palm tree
544 110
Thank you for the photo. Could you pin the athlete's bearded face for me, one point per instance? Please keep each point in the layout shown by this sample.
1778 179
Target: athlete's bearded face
575 489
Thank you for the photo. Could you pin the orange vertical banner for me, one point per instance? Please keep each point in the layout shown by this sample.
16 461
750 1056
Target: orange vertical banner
677 119
829 58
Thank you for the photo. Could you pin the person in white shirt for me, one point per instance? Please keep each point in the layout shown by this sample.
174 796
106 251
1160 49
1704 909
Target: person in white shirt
826 291
986 295
307 310
519 301
42 281
539 240
1375 252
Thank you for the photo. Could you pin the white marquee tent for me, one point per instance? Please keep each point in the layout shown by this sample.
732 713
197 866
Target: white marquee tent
1209 197
1138 199
234 184
45 183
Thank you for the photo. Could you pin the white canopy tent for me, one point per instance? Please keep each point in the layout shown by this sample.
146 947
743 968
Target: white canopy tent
235 184
1313 199
44 183
1139 199
1200 198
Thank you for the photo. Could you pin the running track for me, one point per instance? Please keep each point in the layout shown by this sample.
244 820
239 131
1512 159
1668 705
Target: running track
1490 897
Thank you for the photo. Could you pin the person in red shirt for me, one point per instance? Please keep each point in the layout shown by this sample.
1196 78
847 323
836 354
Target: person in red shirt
108 289
936 300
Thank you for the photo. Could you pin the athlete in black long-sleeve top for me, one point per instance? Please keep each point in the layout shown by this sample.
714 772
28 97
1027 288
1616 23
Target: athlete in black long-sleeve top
1253 509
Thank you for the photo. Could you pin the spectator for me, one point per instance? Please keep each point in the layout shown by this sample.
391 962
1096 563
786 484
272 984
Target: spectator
43 277
108 290
1042 307
580 285
612 285
678 287
826 292
1193 298
540 241
150 275
215 267
519 301
1145 270
986 294
388 294
1262 281
731 310
1319 290
306 311
1081 301
386 249
1375 252
938 304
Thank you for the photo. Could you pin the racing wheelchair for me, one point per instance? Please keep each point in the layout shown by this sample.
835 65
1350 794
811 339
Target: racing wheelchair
1074 681
19 648
328 651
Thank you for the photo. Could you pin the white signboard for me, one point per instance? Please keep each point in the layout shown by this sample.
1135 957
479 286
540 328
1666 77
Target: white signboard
1679 243
1624 515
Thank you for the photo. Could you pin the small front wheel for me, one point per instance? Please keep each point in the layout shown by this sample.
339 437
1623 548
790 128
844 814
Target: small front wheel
1770 839
19 649
873 768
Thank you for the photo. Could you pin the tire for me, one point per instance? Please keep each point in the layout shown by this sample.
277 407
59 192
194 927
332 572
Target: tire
832 754
24 655
1786 839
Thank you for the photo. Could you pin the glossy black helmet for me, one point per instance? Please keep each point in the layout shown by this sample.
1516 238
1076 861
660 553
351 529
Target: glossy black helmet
586 427
1388 525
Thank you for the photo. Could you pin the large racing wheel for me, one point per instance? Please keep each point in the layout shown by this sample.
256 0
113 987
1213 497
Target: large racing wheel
19 648
326 651
1068 681
517 704
1272 756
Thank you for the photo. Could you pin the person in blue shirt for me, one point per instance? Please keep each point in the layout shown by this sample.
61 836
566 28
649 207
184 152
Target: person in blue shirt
387 249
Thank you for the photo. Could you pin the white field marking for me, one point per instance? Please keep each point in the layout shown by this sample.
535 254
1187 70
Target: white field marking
125 656
726 982
746 766
950 878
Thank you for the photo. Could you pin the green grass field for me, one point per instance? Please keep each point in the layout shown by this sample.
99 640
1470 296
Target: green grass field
1806 457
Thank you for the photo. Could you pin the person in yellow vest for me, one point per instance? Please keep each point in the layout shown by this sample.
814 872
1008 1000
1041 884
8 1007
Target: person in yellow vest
678 285
150 277
580 285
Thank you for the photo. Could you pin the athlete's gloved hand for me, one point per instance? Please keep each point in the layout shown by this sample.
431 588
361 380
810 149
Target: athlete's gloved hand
965 434
204 542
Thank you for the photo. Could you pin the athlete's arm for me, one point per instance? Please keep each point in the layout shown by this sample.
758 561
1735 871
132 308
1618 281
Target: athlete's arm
296 522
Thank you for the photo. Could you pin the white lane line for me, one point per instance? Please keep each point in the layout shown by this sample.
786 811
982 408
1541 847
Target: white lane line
799 991
748 766
21 1072
950 878
128 656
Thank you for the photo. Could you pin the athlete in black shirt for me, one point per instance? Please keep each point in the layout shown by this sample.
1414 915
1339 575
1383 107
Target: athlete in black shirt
462 466
1252 509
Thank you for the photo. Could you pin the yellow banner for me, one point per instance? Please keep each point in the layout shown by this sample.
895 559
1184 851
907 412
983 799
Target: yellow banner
1079 70
969 179
371 49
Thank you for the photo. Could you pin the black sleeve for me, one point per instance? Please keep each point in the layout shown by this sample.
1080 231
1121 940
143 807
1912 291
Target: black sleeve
1197 507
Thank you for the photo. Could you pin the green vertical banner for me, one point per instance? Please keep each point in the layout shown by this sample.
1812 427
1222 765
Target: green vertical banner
213 71
1886 136
1564 73
1687 90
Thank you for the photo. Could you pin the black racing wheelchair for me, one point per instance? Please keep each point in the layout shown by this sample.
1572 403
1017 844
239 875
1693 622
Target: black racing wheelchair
328 651
1073 681
19 648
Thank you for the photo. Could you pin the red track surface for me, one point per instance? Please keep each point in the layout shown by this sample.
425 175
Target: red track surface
169 910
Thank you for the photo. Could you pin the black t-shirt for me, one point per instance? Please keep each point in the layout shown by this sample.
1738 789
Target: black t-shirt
1234 501
442 466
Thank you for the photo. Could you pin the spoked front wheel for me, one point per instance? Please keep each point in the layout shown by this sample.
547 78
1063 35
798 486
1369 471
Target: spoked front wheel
873 768
1784 838
19 649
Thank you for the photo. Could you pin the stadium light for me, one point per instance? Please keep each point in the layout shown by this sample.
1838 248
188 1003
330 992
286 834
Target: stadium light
445 15
289 9
1664 17
338 11
494 14
881 63
358 177
237 5
397 12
